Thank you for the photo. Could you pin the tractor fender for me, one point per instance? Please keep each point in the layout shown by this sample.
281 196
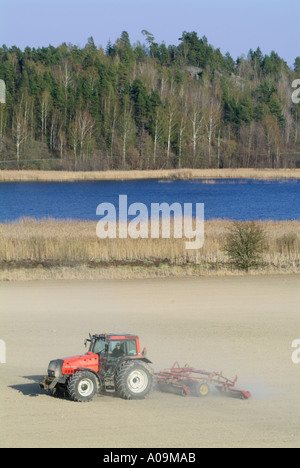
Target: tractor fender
86 369
123 360
135 358
145 360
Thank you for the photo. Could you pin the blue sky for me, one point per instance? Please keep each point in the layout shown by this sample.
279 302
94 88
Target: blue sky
232 25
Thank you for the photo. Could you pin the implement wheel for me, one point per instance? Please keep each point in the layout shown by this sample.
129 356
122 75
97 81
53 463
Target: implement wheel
201 389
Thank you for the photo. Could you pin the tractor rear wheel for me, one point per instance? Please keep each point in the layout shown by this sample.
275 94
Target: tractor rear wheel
83 386
134 380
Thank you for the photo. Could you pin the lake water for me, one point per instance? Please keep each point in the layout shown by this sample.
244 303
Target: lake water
232 199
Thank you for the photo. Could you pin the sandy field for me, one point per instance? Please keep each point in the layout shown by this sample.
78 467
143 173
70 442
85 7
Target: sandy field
239 325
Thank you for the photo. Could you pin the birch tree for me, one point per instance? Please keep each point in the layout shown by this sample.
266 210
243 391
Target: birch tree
212 116
19 131
65 77
171 113
81 136
196 117
182 120
45 107
273 140
127 130
22 123
158 132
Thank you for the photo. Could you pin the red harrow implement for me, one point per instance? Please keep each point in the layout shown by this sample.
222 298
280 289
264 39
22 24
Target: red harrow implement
187 380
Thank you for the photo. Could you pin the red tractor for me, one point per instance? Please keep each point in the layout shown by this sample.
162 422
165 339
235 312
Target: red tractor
114 363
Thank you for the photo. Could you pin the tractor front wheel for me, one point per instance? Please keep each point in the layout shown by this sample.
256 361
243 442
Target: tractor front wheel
58 391
83 386
134 380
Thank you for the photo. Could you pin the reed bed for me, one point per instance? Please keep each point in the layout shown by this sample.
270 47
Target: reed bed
183 174
52 248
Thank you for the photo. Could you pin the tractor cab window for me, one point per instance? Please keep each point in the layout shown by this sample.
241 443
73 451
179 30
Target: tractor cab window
116 349
122 348
99 346
131 348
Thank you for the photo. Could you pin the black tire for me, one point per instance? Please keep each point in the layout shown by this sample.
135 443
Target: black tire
83 386
134 380
59 391
201 389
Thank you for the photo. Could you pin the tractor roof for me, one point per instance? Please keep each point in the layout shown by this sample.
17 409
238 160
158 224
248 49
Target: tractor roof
116 336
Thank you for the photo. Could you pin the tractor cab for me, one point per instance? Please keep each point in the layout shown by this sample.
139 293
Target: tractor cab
111 348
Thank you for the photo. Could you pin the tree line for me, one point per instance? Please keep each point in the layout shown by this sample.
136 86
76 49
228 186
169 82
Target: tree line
147 106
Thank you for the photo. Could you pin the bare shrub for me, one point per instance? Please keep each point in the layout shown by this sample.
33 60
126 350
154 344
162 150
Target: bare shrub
245 244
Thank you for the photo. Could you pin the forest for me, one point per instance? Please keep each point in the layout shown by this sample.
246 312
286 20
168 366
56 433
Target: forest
147 106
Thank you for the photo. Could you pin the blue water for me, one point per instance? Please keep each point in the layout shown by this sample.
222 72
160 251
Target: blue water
232 199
